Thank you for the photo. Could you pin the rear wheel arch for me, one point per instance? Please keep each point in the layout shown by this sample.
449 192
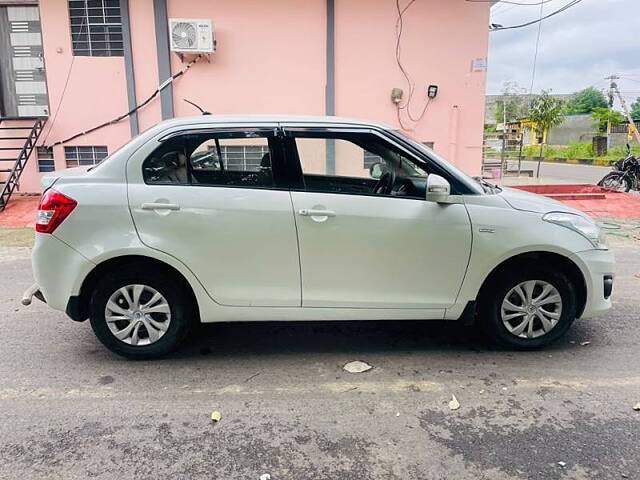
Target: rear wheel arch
81 309
538 258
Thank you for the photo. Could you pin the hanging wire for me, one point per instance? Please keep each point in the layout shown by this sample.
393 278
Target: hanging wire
161 87
405 73
533 22
535 56
64 89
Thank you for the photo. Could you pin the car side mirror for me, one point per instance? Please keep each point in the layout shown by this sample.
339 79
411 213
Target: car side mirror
438 189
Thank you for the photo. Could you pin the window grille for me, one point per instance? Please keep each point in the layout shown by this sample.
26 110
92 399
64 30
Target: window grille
242 157
45 159
82 156
96 28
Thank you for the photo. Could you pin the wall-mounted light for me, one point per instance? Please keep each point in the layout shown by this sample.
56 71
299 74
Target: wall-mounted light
432 91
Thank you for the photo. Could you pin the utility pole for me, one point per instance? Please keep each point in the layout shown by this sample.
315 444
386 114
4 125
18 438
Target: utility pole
612 84
504 138
627 114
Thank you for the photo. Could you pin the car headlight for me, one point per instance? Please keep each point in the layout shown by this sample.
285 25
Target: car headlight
582 225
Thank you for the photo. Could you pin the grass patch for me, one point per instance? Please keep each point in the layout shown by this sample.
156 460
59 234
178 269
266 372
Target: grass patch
16 236
575 150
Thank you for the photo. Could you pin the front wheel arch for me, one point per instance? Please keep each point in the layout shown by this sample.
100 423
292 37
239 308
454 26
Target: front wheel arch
559 262
81 304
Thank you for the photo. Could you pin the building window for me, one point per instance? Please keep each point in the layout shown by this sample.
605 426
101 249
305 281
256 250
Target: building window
96 28
82 156
45 159
243 157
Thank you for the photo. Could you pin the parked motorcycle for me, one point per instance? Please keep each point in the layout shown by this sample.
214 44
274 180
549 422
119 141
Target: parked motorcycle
625 175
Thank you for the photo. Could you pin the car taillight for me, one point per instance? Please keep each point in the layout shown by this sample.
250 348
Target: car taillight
53 209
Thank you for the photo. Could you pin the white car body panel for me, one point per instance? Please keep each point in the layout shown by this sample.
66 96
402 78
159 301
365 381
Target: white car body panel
58 269
531 202
381 252
240 242
361 264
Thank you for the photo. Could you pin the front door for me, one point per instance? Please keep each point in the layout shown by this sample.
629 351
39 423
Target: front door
373 242
211 199
23 87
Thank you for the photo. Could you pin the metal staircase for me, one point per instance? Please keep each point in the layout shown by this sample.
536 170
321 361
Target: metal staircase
18 137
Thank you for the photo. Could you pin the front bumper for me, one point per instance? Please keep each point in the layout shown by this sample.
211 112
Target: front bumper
597 267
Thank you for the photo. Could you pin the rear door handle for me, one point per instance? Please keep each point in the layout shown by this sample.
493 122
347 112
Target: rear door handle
160 206
310 212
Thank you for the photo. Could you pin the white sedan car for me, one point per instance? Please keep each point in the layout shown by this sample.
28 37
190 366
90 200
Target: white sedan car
236 218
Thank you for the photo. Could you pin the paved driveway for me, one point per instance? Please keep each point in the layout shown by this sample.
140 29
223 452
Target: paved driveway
70 409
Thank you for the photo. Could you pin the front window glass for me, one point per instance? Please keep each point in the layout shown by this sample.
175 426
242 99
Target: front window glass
357 163
467 180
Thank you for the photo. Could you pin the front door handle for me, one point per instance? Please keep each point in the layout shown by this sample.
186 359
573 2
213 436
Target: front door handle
160 206
311 212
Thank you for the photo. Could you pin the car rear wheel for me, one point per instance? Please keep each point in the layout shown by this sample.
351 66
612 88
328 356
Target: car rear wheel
530 308
140 314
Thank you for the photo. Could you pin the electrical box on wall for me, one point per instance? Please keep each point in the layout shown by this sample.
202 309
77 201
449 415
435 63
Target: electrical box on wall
191 35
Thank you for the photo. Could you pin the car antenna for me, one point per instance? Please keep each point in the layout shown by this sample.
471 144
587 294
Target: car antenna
197 106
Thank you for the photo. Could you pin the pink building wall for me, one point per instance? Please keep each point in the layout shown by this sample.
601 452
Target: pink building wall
271 59
94 92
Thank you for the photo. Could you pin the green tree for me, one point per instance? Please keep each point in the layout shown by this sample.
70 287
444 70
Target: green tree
513 98
586 100
635 109
603 116
545 112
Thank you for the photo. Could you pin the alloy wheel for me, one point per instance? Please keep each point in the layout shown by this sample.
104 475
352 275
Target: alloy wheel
531 309
137 315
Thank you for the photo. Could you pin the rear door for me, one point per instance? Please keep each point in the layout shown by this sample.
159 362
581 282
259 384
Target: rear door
213 199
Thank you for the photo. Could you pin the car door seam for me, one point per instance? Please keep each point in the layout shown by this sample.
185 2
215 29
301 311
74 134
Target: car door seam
295 223
466 270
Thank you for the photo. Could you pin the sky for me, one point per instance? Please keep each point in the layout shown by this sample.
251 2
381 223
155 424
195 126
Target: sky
578 47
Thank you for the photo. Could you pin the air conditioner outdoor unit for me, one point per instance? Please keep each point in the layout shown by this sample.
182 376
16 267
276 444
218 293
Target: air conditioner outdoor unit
191 35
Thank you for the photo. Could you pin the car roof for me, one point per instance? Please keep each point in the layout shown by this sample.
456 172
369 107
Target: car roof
272 118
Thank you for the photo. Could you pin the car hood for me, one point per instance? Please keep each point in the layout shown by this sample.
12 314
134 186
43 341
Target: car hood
532 202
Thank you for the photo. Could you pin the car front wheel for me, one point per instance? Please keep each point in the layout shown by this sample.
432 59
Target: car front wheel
528 309
140 314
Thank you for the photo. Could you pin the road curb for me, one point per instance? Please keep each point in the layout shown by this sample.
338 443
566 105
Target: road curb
599 162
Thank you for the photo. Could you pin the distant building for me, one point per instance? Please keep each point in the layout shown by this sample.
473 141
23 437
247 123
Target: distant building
492 101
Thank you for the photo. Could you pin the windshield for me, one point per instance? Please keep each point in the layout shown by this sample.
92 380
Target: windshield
469 181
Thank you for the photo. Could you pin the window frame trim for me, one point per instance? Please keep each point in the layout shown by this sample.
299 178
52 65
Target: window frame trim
272 133
290 130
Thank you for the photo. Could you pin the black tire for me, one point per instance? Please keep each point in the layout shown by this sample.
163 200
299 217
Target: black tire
172 289
619 178
490 306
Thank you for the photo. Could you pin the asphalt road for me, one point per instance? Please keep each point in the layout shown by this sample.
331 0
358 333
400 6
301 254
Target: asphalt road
70 409
562 172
